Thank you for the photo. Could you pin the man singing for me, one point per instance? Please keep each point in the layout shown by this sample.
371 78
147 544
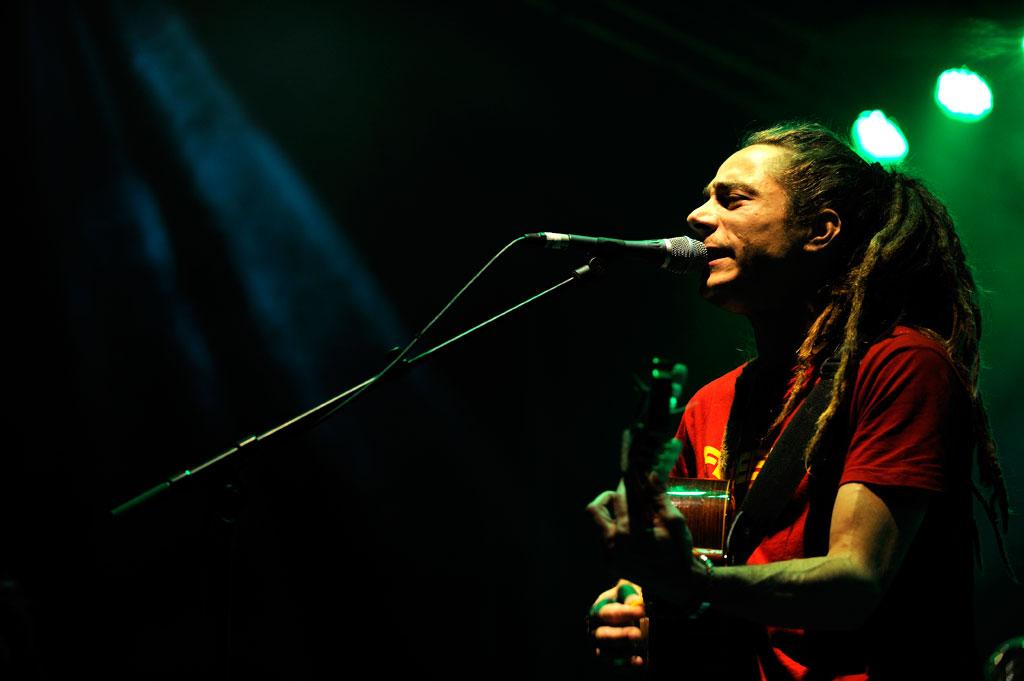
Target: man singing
865 572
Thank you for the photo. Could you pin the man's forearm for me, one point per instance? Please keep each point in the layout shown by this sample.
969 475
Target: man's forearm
816 593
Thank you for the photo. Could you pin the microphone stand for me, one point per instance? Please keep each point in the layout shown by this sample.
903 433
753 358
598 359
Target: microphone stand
318 414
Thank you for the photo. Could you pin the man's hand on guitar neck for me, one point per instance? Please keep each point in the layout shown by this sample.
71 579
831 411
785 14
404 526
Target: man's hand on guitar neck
661 558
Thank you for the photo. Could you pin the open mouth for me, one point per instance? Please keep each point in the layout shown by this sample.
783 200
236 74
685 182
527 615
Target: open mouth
715 253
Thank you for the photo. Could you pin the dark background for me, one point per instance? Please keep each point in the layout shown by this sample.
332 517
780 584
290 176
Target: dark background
233 210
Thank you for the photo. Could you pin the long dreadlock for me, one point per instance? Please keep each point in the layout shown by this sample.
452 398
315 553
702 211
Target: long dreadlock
901 262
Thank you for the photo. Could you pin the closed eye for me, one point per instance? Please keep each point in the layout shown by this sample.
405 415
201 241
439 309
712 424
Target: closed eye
730 199
728 194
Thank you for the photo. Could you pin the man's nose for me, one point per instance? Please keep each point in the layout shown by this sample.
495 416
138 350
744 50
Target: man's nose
700 220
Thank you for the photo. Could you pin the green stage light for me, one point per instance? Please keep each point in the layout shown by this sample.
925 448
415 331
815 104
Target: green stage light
963 95
877 138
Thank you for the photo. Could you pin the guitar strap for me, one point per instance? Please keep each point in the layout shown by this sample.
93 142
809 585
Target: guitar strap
783 469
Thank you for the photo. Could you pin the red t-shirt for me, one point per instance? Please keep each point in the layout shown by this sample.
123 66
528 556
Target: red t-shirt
907 426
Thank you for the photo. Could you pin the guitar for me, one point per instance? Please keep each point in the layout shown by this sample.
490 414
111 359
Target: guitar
648 455
730 645
708 506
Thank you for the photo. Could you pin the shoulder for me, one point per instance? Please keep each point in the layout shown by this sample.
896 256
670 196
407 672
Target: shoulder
906 354
713 401
721 389
905 339
704 419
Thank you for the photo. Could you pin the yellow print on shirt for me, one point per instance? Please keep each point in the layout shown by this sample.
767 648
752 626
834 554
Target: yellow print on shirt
713 463
747 467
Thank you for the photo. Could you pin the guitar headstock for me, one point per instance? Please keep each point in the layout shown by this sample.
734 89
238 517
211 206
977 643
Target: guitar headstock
649 450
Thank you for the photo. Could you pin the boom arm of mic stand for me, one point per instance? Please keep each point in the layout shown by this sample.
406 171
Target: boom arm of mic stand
322 412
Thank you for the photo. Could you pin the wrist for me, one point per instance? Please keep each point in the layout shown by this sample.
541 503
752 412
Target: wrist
703 573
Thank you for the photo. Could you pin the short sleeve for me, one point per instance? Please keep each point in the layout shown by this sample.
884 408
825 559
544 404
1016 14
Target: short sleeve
904 411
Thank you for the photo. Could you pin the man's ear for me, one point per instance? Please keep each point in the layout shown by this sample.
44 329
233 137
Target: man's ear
824 229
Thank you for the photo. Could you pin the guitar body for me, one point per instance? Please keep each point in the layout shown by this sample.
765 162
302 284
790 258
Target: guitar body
676 645
708 506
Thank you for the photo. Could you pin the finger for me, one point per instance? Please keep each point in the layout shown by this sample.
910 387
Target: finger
619 613
672 522
666 510
634 660
621 512
611 634
599 511
609 596
676 528
624 592
596 608
629 593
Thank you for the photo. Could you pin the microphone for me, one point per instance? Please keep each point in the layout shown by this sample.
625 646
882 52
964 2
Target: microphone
677 255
